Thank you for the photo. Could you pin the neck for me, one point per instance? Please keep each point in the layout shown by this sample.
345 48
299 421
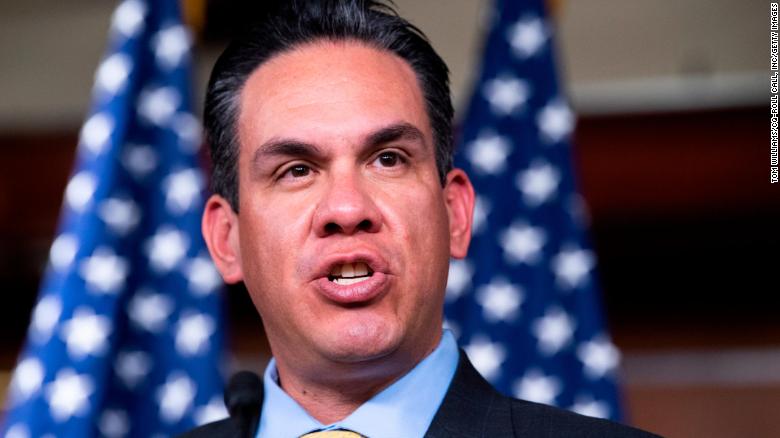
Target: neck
335 390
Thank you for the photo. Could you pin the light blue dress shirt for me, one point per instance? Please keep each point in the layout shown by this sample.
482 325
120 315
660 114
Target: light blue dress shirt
403 409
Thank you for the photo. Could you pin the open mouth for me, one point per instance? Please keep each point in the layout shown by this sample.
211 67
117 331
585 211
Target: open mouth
350 273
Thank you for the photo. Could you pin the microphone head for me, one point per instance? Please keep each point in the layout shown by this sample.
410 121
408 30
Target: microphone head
244 393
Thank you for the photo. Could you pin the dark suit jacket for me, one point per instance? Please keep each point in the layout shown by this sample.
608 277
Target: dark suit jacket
472 408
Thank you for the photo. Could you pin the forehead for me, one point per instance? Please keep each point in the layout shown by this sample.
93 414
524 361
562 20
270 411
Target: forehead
329 90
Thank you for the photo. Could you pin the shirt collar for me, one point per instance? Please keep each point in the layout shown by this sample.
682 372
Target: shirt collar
405 408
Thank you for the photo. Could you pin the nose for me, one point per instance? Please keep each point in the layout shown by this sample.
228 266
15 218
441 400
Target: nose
346 207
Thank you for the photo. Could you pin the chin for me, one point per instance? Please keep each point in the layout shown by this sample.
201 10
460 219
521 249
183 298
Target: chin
361 339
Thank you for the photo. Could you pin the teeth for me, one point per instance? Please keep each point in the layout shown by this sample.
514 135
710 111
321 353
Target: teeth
350 271
361 269
345 281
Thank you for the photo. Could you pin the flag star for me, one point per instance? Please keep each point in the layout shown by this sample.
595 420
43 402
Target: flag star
104 272
150 311
139 160
193 332
572 267
538 183
132 366
170 46
203 277
17 431
506 94
45 317
86 333
527 36
79 190
591 408
554 330
63 251
96 132
486 356
166 248
158 105
488 153
68 395
188 129
114 423
129 17
458 278
522 243
482 209
536 387
555 121
121 215
175 397
27 379
111 76
500 300
213 411
183 190
599 357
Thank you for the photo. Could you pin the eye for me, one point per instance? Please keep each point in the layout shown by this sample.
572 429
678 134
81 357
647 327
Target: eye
297 171
388 159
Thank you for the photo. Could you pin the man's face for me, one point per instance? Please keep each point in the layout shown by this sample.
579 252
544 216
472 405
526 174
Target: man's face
344 231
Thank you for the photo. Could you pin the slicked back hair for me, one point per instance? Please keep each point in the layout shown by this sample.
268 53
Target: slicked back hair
299 22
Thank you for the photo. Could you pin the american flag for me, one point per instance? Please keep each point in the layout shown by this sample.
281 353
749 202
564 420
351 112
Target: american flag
125 337
525 302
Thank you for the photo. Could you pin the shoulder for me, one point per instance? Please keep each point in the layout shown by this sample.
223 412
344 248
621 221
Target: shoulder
536 419
223 428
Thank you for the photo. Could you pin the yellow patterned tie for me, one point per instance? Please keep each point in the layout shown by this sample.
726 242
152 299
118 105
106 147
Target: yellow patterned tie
341 433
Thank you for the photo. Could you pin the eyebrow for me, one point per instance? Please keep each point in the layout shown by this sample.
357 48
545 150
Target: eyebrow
395 132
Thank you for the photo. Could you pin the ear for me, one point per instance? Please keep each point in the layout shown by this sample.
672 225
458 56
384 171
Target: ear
459 197
220 230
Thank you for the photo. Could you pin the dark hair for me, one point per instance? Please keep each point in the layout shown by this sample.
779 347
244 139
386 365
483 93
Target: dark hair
304 21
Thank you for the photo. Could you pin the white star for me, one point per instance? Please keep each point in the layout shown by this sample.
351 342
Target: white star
538 183
506 94
175 397
17 431
555 121
500 300
193 332
139 160
150 311
63 251
111 76
591 408
158 105
458 278
599 357
554 330
182 190
45 317
488 153
86 333
114 423
170 45
213 411
79 191
132 366
104 272
129 17
522 243
572 266
188 129
486 356
27 379
68 395
166 248
482 209
536 387
203 277
121 215
527 36
96 132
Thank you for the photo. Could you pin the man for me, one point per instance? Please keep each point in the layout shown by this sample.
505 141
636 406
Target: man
337 204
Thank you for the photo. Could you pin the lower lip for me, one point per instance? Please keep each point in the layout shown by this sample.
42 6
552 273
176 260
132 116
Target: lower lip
361 292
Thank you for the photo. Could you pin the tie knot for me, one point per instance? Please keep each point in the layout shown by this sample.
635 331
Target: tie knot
339 433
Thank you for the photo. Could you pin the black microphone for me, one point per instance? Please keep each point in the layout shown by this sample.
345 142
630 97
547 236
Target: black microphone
243 397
